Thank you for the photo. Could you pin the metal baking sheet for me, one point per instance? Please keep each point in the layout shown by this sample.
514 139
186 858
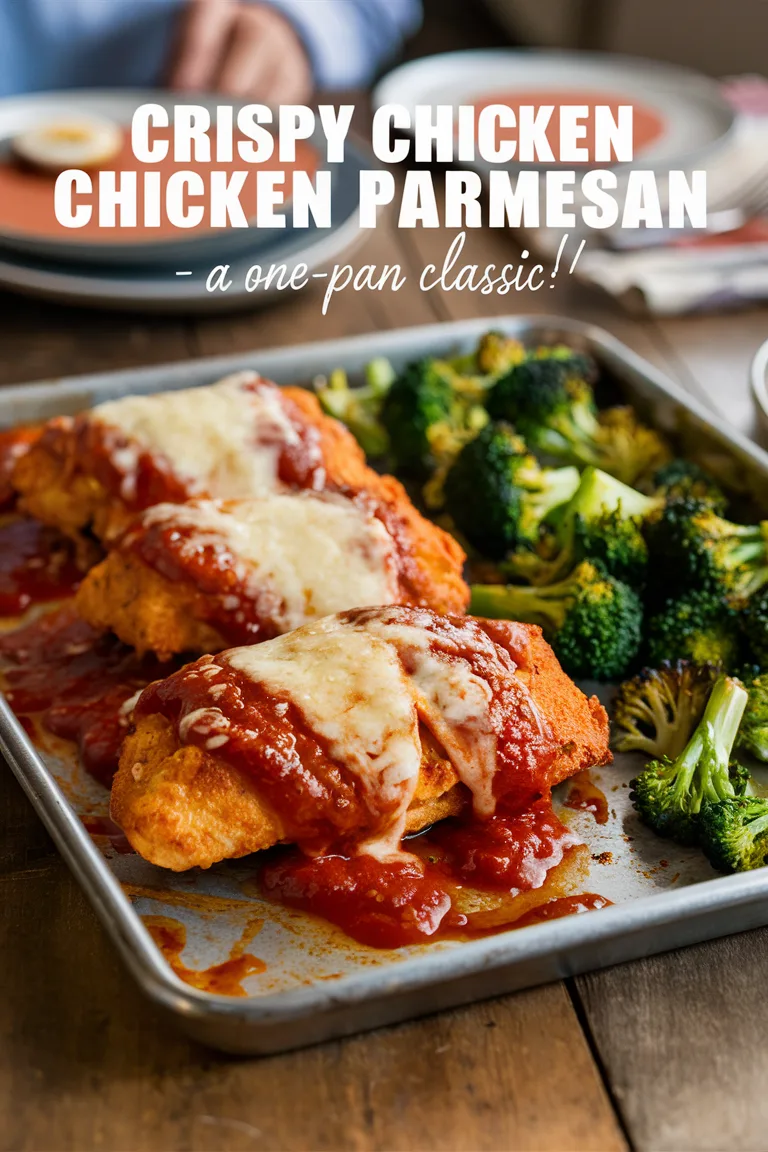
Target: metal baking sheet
317 984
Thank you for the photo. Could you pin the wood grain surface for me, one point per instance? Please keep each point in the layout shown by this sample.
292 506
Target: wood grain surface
664 1053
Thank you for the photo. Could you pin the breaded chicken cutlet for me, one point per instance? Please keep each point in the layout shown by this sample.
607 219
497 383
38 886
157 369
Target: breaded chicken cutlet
348 733
238 438
207 575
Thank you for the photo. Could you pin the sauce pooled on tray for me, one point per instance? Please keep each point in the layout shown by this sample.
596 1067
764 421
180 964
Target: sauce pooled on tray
77 681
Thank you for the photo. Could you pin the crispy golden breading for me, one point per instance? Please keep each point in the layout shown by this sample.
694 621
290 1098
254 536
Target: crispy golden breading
435 560
151 612
181 806
580 721
124 595
57 478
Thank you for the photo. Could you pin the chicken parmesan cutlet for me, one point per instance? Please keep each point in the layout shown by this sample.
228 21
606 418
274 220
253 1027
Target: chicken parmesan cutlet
238 438
348 733
208 574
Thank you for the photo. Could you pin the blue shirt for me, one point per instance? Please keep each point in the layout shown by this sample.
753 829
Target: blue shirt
50 44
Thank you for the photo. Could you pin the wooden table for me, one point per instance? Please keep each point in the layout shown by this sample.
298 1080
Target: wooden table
664 1053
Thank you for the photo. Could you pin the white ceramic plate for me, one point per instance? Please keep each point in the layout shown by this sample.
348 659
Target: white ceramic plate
158 288
695 114
18 113
759 381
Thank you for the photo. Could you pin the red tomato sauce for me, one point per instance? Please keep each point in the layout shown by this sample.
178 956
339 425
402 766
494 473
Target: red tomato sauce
14 442
513 850
37 564
27 206
395 903
584 795
648 125
76 681
318 799
225 979
223 597
564 906
86 446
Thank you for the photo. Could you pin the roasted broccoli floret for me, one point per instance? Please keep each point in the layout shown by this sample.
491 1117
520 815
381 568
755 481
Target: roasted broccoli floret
498 493
682 480
753 734
734 833
592 621
430 412
631 451
695 548
497 353
656 711
552 406
600 522
360 408
668 793
755 621
699 626
579 363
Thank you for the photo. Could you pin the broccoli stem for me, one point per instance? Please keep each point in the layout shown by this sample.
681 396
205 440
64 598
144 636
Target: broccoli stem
379 376
757 826
546 606
710 747
556 487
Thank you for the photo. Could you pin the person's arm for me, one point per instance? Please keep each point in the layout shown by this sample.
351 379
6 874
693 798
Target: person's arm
273 50
349 40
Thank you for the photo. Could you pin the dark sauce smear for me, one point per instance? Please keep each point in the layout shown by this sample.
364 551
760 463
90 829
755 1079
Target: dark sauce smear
395 903
564 906
14 442
37 564
76 681
225 979
585 796
102 828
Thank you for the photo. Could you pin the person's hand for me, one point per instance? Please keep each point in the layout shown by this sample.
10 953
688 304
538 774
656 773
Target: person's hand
247 51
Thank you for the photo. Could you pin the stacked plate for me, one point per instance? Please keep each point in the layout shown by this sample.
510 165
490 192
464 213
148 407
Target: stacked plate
162 270
679 115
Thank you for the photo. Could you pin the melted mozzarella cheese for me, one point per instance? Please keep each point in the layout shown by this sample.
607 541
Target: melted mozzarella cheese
349 682
313 554
454 703
354 694
222 441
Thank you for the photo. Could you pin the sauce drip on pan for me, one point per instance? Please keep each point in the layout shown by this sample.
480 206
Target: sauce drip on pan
37 564
102 828
585 796
77 681
389 904
225 979
564 906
